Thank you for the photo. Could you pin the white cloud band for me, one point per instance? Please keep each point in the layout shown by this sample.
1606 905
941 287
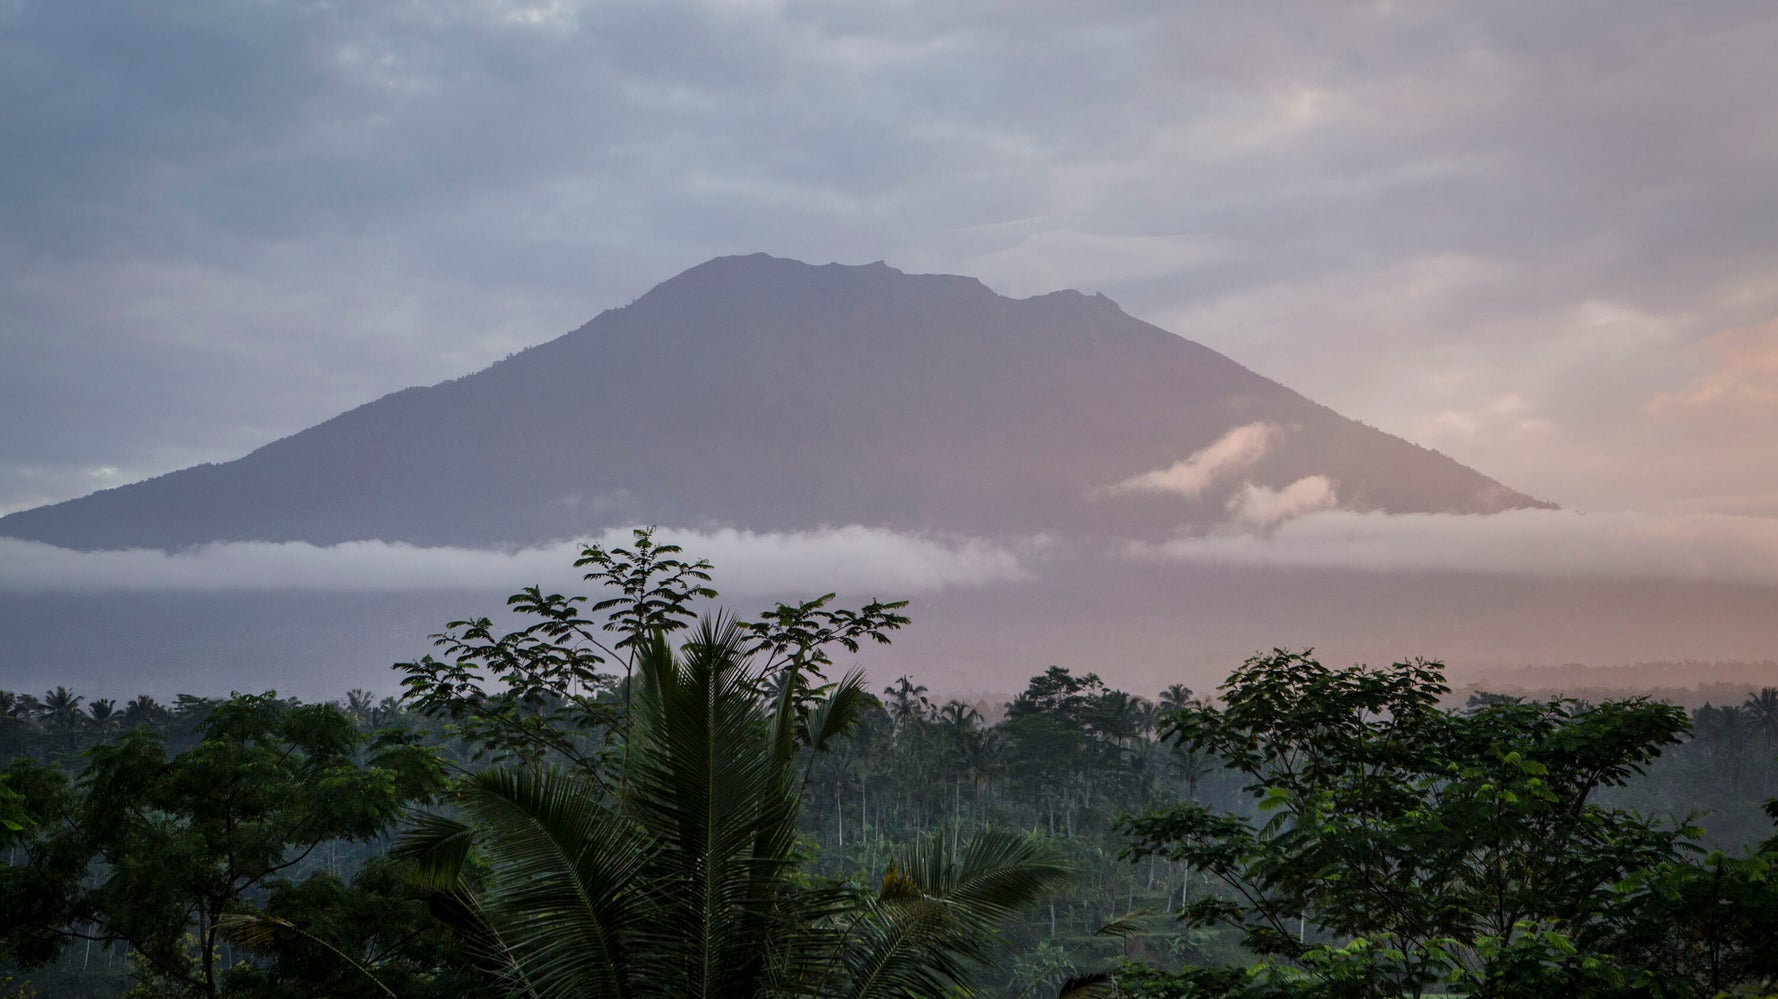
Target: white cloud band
1692 548
850 558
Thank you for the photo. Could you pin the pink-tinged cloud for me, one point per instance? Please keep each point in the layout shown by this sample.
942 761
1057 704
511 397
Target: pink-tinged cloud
1233 451
1258 507
1746 375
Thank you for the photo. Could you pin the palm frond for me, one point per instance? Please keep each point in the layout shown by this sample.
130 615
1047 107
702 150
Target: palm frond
563 889
711 779
258 931
937 911
839 711
1129 924
438 847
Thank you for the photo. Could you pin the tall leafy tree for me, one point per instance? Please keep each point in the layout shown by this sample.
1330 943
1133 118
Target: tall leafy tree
1397 845
543 690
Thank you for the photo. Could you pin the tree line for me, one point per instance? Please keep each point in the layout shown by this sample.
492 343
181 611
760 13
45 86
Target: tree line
630 794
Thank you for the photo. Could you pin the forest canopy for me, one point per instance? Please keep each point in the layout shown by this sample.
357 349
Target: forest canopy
632 793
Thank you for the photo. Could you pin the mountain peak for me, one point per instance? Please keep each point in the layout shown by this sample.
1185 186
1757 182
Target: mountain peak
758 271
767 393
764 267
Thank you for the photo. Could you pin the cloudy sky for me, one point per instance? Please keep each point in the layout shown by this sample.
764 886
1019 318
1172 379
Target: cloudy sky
1538 237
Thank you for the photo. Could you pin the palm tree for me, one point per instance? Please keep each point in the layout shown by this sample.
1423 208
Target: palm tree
907 702
979 755
60 711
359 704
25 707
144 710
683 880
1177 697
960 724
958 716
1118 717
387 710
1153 715
104 714
1762 708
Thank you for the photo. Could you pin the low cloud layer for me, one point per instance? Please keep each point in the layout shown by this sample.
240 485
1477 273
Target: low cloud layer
1547 543
852 559
1228 454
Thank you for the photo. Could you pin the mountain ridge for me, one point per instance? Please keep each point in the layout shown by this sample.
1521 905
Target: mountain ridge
767 393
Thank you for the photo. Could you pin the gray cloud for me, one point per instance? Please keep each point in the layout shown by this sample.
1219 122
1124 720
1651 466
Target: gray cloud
1497 229
853 559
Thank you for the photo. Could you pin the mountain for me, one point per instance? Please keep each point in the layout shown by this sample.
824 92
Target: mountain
771 394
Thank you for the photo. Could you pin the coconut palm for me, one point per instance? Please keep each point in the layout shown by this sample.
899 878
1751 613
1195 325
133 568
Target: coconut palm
1154 715
907 703
144 710
958 716
1762 708
25 707
959 725
104 714
359 705
387 710
682 880
1177 697
1118 717
60 711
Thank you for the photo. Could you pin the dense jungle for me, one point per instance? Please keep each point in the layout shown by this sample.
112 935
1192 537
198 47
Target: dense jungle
635 793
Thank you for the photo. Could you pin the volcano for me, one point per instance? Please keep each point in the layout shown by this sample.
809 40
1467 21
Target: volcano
770 394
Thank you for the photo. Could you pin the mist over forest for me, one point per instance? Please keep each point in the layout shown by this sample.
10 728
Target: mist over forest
548 807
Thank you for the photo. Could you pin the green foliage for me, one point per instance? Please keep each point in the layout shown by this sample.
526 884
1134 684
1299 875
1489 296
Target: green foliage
1393 846
370 935
155 850
541 691
531 693
803 632
1074 703
655 590
737 812
14 816
938 911
1711 921
685 880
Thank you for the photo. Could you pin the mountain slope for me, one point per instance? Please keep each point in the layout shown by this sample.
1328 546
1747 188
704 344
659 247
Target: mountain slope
767 393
